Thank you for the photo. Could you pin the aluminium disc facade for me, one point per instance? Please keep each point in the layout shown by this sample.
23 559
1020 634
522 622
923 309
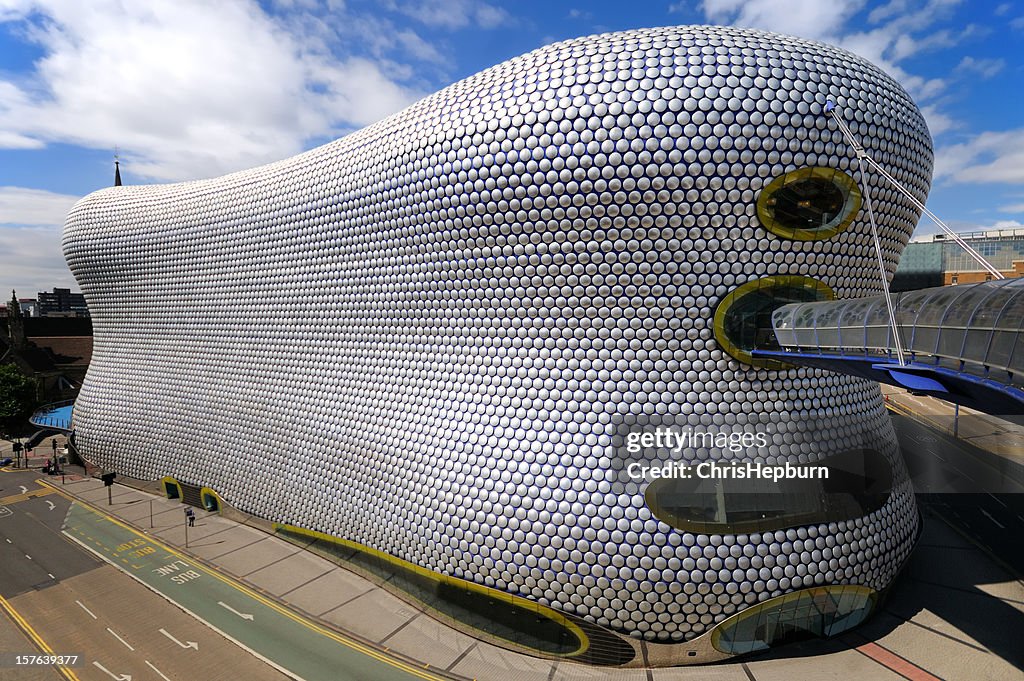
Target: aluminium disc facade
430 336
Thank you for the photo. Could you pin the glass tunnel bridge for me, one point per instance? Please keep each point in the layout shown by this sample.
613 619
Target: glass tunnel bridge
960 343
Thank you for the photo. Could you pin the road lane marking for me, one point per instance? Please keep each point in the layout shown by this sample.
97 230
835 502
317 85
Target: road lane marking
989 516
28 556
190 644
157 670
21 623
50 504
243 615
114 634
82 605
116 677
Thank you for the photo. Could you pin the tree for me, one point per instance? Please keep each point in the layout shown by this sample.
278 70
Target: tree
17 398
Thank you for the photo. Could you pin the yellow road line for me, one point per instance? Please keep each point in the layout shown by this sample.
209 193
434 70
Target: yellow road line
351 643
36 638
15 498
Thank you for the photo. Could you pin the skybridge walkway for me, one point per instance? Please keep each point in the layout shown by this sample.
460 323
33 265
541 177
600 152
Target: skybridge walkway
959 343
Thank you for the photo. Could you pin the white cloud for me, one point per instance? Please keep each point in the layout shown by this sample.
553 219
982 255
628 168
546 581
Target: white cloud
805 18
32 260
20 207
454 14
1012 208
31 222
986 68
420 48
938 122
987 157
186 88
1004 224
888 36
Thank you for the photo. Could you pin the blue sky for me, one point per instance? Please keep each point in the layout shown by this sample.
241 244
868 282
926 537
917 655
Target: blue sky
191 88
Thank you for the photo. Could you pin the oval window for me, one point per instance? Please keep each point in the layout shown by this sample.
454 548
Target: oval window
743 320
818 612
809 204
726 499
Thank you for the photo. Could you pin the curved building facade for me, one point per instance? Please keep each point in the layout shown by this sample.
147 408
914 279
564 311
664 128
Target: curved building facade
434 337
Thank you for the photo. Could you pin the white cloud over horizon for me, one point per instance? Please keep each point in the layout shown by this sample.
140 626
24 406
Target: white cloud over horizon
186 88
31 223
33 261
20 206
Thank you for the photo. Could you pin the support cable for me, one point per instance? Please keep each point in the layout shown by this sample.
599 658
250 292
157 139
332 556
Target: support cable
830 108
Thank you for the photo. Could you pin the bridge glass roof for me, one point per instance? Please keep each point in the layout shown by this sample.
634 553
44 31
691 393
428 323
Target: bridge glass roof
972 328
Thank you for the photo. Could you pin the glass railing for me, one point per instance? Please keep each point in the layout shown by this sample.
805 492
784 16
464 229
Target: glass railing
56 416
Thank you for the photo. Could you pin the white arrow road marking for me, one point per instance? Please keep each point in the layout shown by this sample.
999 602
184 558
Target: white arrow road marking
82 606
24 490
50 504
157 670
989 516
114 634
189 644
122 677
244 616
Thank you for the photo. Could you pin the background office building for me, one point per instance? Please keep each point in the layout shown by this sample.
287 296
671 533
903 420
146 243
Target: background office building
61 302
936 260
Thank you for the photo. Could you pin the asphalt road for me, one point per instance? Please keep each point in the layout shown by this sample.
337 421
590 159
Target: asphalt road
33 553
79 582
978 493
67 601
280 636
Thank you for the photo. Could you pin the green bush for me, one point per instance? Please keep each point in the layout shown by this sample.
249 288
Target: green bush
17 399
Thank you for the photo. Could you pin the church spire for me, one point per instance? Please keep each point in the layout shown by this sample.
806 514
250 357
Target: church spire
15 323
